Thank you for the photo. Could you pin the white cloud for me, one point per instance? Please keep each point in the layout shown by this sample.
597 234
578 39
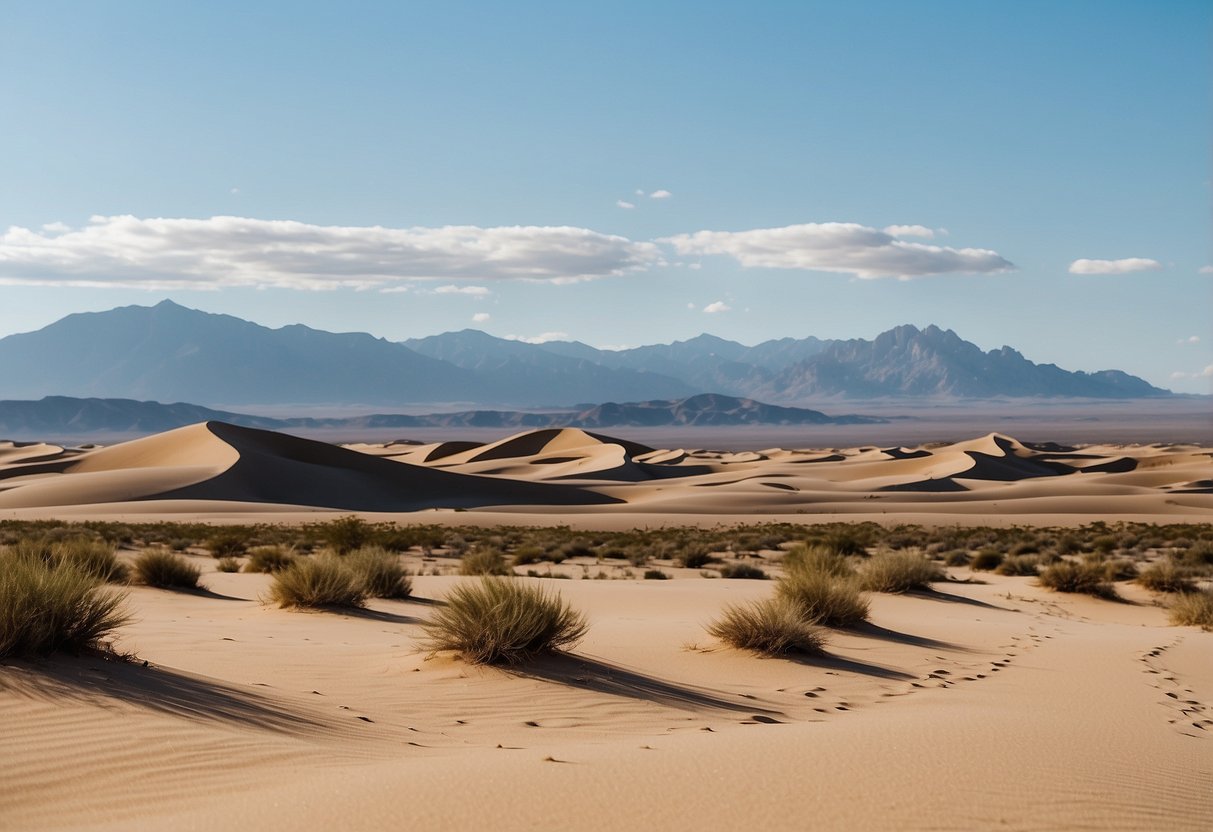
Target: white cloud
1125 266
481 317
640 192
1207 372
623 203
660 193
690 304
1206 269
1191 339
233 191
909 231
541 338
126 251
848 248
717 306
56 227
451 289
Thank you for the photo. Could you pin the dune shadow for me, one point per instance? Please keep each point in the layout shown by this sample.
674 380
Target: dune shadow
935 595
603 677
831 661
377 615
99 681
870 630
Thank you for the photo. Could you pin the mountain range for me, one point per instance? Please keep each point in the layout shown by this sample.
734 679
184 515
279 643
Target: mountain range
62 416
168 352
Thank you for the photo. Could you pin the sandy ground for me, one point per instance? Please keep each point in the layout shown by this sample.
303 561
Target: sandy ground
988 704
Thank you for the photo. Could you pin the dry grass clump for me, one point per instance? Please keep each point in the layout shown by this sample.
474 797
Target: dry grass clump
772 626
269 559
46 608
320 581
694 556
345 534
381 573
655 575
818 559
226 543
824 599
503 621
165 570
901 571
1084 578
742 570
92 557
1019 565
1193 609
227 565
484 561
1166 576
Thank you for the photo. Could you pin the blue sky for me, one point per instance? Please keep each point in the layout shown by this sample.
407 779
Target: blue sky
1031 174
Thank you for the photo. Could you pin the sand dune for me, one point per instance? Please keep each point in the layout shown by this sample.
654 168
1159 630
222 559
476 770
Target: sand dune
980 706
216 467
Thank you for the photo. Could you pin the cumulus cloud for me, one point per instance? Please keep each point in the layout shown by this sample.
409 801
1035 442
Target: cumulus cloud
541 338
717 306
127 251
1191 339
1206 269
847 248
660 193
1207 372
1125 266
623 203
909 231
481 317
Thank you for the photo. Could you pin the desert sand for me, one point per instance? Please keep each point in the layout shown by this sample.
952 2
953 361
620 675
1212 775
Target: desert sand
990 702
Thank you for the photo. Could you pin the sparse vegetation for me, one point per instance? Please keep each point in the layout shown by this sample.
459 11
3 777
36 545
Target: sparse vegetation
1193 609
95 558
272 558
226 543
503 621
227 565
320 581
824 598
380 572
742 570
655 575
47 607
772 626
484 561
1166 576
164 569
1072 576
899 571
346 534
1018 565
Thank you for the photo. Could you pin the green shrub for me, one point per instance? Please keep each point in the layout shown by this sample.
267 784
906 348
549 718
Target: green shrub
986 560
503 621
381 573
166 570
821 598
484 561
1018 565
1193 609
1166 576
1071 576
319 581
227 565
345 534
227 543
899 572
772 626
655 575
46 608
742 570
269 559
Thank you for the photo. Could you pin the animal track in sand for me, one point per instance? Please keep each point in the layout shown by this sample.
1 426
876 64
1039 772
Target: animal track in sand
1189 715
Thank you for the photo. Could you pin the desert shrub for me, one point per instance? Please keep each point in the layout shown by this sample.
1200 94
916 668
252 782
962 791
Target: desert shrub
1071 576
899 572
772 626
95 558
742 570
227 543
655 575
817 559
380 572
846 542
227 565
694 556
1198 554
1193 609
525 555
166 570
320 581
986 560
1166 576
1119 569
46 608
824 599
1025 547
1104 544
956 557
576 549
503 621
269 559
484 561
1018 565
345 534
